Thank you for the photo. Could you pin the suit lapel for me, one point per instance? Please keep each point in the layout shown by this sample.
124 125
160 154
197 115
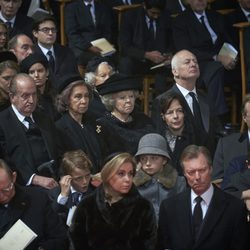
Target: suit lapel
204 112
215 211
20 131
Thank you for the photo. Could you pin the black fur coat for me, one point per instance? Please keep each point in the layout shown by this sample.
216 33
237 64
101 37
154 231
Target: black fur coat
128 224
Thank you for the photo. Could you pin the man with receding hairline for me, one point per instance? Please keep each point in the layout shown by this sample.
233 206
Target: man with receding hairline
28 138
185 70
21 45
203 216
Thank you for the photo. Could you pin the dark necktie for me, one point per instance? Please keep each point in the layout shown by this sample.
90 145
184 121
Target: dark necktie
197 216
126 2
196 111
9 27
205 27
51 60
32 125
89 6
151 36
76 198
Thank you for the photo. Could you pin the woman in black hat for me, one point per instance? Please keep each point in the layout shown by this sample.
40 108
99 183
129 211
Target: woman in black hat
8 69
77 127
36 65
98 70
122 126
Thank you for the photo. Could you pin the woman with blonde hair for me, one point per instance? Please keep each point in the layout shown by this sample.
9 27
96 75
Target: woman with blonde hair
116 216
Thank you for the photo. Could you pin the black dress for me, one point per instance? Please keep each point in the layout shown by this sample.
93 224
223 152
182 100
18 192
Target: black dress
121 136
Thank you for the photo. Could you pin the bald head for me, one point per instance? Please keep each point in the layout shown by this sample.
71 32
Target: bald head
185 68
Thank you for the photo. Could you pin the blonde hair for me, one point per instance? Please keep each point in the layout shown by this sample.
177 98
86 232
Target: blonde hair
113 165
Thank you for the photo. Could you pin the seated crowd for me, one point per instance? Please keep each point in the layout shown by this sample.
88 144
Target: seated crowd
81 164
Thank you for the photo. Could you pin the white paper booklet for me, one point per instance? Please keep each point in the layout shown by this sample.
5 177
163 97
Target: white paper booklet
106 47
228 50
18 237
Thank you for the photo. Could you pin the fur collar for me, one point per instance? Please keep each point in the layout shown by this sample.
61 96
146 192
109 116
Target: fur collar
167 177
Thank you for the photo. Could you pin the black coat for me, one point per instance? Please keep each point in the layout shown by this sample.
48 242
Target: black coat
82 138
128 224
224 226
65 63
22 25
16 147
210 122
118 136
134 34
80 30
32 206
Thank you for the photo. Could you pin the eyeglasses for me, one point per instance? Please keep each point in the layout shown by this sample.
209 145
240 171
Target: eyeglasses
8 189
47 30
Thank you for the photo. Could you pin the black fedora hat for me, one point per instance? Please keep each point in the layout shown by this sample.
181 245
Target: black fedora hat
119 82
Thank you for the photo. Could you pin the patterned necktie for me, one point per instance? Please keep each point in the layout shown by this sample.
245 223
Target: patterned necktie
9 26
197 216
76 198
51 60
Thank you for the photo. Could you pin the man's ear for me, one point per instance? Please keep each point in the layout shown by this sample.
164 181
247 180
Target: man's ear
34 32
14 174
175 73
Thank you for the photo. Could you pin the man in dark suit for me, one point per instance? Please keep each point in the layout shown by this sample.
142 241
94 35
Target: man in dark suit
28 138
32 207
203 217
16 22
60 58
232 146
145 41
186 71
86 21
203 33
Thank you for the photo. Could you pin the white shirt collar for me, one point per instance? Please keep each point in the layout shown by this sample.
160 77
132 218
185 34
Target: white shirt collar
200 15
91 2
45 50
184 91
12 20
246 13
19 115
206 197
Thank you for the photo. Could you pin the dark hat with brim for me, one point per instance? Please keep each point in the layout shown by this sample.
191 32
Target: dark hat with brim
7 56
96 61
32 59
66 80
118 82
